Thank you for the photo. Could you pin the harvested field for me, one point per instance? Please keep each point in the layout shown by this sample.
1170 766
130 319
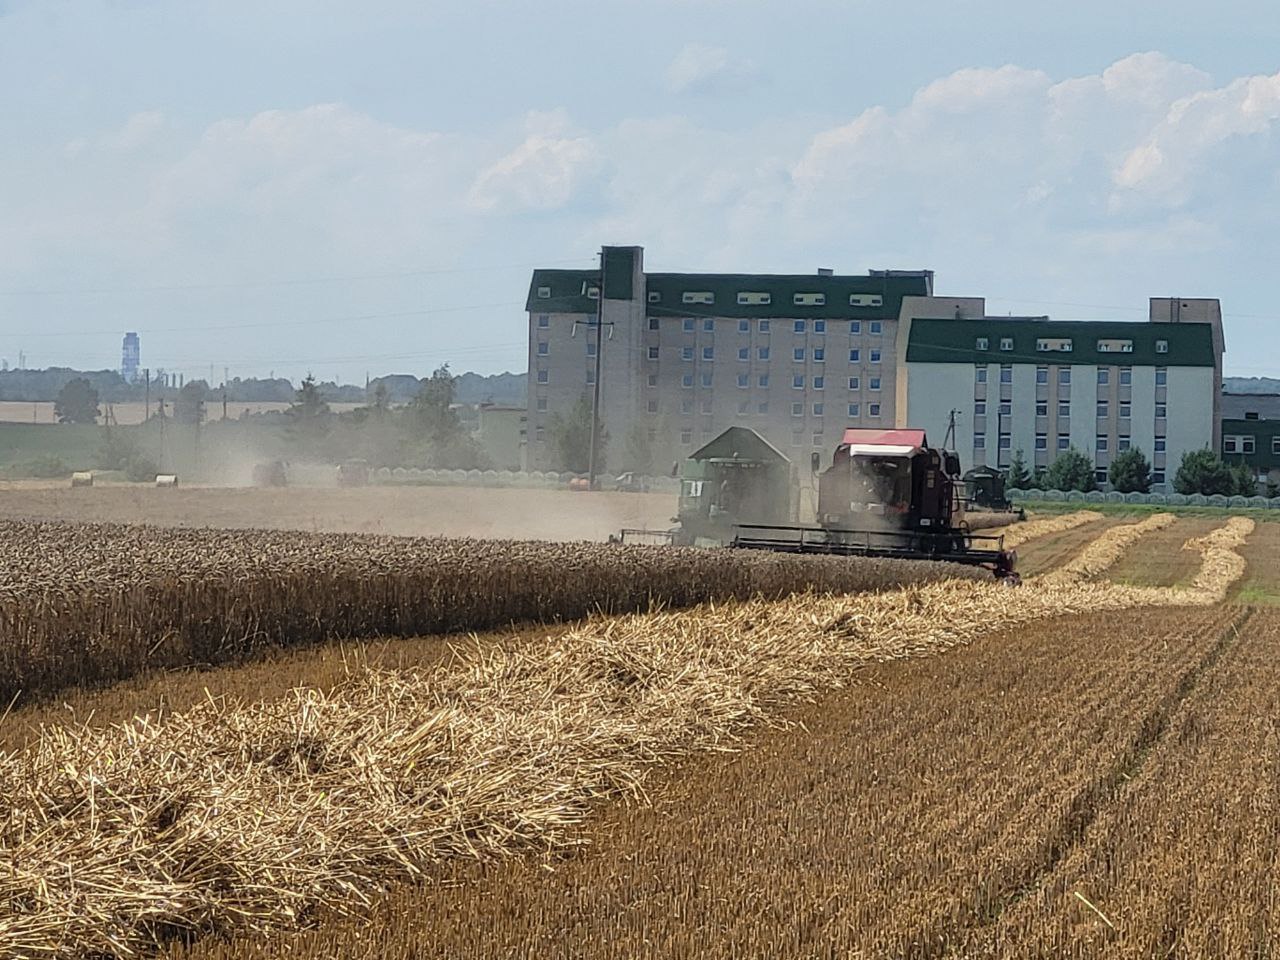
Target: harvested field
395 511
887 820
88 604
249 816
1019 533
1106 548
1160 560
1054 548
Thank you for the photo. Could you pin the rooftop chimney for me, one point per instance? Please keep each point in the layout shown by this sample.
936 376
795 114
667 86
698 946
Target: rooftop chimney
826 272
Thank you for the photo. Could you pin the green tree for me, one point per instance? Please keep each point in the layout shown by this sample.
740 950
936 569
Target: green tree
1019 476
1201 471
431 415
77 402
1130 472
639 452
1244 480
1071 471
309 415
188 405
571 438
116 449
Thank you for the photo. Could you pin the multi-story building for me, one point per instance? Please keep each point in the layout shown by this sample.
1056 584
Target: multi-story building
685 355
130 357
1042 386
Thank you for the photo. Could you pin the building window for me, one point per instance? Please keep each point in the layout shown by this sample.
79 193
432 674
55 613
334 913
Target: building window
866 300
1275 445
708 353
747 298
853 410
653 379
1006 409
1101 443
809 299
686 353
819 355
1053 345
1238 444
1157 476
539 433
1162 346
686 406
817 409
875 356
1104 409
654 296
1104 376
593 293
706 379
1042 374
1006 343
762 353
1064 441
1100 475
1126 411
764 326
797 409
1115 346
854 356
979 441
744 326
544 349
653 406
1042 441
798 326
1162 411
687 380
591 348
853 383
653 323
1064 376
744 407
744 380
1124 443
697 296
855 327
980 343
797 382
819 326
980 374
744 353
653 353
706 406
980 408
1064 408
544 293
688 325
1006 374
764 380
873 383
544 321
819 382
1004 441
709 325
543 376
763 408
1126 376
875 327
1251 414
873 409
591 376
542 404
686 437
797 437
1162 377
1042 409
798 354
1160 444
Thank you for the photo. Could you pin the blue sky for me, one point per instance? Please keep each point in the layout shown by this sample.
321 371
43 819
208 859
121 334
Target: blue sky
342 188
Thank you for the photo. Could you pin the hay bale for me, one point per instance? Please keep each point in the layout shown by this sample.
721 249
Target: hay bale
82 478
166 480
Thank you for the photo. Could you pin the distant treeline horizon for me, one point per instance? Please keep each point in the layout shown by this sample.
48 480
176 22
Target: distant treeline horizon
36 386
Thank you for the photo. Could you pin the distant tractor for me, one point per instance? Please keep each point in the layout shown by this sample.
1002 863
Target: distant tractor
984 488
353 473
270 474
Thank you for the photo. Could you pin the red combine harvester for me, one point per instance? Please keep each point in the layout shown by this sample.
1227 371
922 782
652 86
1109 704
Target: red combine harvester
887 493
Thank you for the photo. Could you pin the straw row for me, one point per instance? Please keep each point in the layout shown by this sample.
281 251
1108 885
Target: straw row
1103 551
238 817
1046 526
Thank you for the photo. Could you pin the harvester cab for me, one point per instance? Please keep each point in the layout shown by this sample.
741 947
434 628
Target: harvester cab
739 477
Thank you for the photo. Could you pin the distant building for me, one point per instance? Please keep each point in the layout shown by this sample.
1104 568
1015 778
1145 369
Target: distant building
130 357
501 433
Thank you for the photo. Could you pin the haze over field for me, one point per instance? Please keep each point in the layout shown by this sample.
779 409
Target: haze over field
349 187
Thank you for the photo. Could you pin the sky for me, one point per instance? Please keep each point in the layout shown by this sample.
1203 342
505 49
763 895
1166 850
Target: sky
345 188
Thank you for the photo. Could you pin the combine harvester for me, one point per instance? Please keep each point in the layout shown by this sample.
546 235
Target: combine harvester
887 493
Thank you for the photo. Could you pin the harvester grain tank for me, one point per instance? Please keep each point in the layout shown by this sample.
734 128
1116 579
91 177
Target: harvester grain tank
739 477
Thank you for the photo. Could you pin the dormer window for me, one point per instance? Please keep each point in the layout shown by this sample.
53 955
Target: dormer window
698 296
809 299
1006 343
866 300
752 298
980 343
655 296
1162 346
544 293
592 293
1054 345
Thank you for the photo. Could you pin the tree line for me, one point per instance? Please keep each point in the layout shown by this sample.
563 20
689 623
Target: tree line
1200 471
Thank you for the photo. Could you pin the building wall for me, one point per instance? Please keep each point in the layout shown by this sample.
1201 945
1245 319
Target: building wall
1252 406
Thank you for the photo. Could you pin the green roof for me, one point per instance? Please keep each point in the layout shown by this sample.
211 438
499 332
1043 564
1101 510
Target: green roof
957 341
566 289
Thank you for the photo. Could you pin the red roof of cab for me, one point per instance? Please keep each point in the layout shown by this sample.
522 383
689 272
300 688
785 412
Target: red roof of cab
866 437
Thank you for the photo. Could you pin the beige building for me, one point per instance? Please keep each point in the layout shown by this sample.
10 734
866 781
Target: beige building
797 357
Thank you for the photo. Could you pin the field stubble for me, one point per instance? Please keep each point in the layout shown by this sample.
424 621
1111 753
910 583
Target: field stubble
249 816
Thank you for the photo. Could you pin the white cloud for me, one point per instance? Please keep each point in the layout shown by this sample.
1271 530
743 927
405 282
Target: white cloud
541 174
701 68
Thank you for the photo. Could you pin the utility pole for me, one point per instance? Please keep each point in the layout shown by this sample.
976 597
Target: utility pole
595 399
950 438
146 393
